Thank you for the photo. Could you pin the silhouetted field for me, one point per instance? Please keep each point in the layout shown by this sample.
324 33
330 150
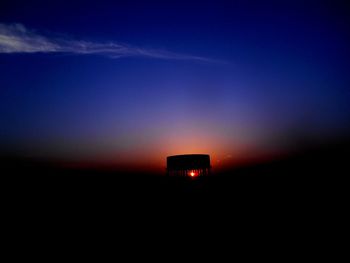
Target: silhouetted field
301 195
314 176
305 183
300 200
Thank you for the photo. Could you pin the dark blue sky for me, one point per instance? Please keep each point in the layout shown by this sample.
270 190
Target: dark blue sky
228 78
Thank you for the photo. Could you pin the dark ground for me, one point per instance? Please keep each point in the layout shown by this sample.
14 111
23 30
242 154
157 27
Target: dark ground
303 196
310 179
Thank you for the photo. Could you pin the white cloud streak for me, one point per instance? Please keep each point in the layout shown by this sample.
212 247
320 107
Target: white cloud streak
15 38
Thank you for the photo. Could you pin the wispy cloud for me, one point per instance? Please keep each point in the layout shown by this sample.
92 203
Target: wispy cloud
15 38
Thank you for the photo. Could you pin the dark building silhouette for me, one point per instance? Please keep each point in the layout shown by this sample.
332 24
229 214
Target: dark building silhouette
188 165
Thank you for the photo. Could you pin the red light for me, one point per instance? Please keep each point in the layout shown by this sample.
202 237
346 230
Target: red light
192 174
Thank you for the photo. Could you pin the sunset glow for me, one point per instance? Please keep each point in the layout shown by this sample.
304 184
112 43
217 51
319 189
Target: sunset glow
125 87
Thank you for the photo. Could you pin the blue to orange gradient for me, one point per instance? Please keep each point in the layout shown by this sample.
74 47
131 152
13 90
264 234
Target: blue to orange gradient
126 85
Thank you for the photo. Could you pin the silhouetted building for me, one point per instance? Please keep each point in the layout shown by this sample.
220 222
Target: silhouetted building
188 165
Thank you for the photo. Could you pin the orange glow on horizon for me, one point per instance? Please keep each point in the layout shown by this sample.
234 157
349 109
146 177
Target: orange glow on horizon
149 152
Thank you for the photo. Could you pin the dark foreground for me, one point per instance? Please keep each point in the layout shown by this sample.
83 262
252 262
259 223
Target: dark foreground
306 180
301 200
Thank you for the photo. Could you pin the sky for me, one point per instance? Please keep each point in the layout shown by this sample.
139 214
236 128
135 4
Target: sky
127 83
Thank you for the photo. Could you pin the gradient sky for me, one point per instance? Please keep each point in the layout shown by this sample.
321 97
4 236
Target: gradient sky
130 82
